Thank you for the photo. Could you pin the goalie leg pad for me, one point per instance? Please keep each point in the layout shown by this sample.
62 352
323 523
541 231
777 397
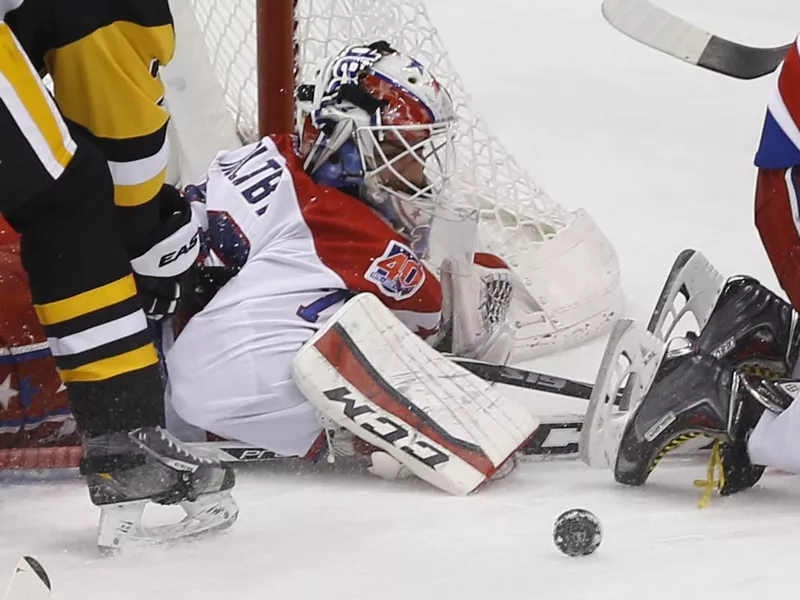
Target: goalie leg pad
368 373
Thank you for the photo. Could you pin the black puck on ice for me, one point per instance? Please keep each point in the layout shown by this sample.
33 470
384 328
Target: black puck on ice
577 532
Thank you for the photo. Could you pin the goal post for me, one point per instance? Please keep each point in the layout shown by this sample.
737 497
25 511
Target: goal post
232 80
275 65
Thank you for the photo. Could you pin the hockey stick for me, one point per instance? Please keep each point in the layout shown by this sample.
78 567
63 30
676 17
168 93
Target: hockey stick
29 581
663 31
514 376
556 435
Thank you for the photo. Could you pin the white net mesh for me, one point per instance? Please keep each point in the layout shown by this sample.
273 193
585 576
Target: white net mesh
567 267
323 27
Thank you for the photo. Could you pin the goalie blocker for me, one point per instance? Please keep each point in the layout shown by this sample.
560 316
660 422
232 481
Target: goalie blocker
368 373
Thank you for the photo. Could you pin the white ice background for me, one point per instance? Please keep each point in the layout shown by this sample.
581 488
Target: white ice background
660 153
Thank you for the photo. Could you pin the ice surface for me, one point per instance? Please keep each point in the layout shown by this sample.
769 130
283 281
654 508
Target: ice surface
660 153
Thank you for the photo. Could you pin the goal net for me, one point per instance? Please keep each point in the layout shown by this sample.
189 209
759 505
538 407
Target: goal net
569 284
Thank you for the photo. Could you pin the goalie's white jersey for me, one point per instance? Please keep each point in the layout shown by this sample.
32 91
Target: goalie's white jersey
303 249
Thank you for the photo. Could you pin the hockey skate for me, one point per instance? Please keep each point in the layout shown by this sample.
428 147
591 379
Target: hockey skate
633 354
701 383
126 471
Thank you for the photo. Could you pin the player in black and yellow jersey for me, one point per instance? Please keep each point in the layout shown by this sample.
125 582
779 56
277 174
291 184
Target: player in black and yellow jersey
82 180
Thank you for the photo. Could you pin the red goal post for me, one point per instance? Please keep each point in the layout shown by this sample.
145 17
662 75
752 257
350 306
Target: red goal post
276 65
233 78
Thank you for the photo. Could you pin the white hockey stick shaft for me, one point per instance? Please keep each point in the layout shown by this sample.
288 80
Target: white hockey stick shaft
653 26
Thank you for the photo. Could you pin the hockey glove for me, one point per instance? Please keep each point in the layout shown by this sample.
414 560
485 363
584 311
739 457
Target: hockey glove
476 301
172 250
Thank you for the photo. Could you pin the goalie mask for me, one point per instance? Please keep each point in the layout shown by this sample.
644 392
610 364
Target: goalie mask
378 121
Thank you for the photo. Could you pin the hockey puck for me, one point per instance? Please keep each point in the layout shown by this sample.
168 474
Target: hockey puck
577 532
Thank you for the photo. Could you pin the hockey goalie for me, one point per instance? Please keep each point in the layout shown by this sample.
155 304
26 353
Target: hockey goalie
348 252
332 263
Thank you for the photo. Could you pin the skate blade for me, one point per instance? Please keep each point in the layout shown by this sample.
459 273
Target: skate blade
629 364
121 525
692 288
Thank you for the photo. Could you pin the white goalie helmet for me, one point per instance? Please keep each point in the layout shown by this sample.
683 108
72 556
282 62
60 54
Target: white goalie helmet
377 121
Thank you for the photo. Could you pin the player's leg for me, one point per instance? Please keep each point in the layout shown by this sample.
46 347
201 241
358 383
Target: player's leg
777 217
58 193
775 441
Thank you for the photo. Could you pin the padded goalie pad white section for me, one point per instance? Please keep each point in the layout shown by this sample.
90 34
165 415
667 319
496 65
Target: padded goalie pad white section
368 373
567 288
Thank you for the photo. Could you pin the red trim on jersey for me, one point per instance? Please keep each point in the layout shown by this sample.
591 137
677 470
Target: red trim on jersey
349 236
775 224
490 261
356 369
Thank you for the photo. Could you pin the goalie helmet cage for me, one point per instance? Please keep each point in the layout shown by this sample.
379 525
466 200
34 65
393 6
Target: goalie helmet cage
238 62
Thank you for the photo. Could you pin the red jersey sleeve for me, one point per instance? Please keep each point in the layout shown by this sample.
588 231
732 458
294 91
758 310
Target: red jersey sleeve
369 256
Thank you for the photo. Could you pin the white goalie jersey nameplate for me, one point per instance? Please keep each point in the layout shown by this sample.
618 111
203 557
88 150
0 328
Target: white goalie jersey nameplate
368 373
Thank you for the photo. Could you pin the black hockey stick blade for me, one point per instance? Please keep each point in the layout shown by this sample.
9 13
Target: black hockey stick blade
523 378
740 61
661 30
29 581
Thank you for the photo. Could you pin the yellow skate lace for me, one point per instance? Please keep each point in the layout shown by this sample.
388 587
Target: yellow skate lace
672 445
715 476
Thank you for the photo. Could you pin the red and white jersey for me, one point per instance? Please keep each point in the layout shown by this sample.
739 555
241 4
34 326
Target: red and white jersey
302 250
261 206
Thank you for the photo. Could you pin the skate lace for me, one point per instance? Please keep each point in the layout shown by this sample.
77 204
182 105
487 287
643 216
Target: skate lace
715 476
327 428
331 456
677 442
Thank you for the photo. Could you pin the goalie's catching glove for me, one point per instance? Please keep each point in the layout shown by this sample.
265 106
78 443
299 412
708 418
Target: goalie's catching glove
171 250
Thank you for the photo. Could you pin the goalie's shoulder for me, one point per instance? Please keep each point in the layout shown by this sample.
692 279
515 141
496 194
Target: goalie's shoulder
357 244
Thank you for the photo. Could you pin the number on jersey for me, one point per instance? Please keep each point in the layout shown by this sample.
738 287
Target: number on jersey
397 272
311 312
